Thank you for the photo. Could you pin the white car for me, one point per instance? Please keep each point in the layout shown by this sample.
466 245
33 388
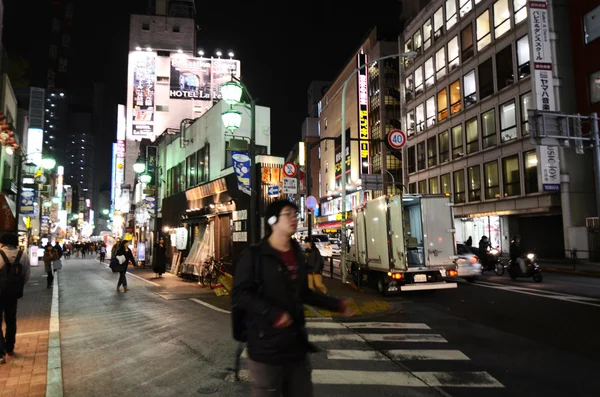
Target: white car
321 241
468 265
336 247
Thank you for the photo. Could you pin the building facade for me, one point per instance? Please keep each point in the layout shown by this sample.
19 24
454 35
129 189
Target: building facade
372 111
466 101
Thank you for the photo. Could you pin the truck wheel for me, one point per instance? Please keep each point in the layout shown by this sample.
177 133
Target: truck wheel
382 285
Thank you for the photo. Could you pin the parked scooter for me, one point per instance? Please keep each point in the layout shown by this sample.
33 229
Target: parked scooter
533 269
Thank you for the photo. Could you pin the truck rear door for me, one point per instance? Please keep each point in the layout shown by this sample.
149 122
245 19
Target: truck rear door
438 231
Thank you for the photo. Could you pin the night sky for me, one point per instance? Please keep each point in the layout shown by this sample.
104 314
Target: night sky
282 46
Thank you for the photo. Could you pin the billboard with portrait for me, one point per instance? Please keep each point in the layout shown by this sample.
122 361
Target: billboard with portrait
190 78
144 80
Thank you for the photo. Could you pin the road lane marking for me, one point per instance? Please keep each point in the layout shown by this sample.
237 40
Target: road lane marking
433 338
366 355
334 337
324 325
387 325
418 354
555 295
208 305
459 379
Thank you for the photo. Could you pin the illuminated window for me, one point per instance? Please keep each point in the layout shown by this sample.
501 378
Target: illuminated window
438 23
442 104
472 136
484 37
451 17
523 57
459 186
488 129
508 122
410 123
412 188
423 186
418 81
429 72
491 180
465 6
501 18
444 145
474 180
445 184
455 97
430 111
427 31
511 176
520 7
410 88
469 88
526 104
440 63
434 187
420 117
417 40
530 163
453 50
457 142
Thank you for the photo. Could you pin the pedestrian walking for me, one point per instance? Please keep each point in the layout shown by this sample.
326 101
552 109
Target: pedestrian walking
314 266
14 274
160 258
49 256
102 252
124 250
270 286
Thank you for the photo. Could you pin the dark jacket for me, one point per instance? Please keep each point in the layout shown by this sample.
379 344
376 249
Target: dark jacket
128 256
516 251
160 261
278 293
314 261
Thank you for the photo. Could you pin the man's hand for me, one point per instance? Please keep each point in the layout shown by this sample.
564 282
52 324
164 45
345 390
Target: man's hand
346 310
283 321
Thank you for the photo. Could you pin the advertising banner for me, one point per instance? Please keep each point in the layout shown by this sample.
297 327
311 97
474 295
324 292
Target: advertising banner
144 79
69 201
222 69
338 155
541 57
29 198
241 167
190 78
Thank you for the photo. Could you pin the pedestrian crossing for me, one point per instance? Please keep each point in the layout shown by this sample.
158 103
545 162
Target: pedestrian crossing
379 353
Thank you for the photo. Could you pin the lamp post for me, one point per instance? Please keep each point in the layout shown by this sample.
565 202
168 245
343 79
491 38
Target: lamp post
408 54
232 94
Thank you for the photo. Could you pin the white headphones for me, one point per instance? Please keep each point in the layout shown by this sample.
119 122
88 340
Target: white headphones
272 220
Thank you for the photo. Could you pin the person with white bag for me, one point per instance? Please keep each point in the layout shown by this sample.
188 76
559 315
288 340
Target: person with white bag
49 256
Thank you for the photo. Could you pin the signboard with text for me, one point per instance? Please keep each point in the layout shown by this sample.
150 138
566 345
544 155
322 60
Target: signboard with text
144 79
363 112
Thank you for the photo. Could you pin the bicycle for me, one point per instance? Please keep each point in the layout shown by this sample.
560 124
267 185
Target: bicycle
211 272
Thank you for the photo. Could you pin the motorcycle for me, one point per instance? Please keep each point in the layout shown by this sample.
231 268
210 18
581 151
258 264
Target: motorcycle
491 261
533 269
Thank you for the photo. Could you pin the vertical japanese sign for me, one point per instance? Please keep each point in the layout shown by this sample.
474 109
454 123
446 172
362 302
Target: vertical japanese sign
363 112
541 58
144 78
69 200
338 155
241 167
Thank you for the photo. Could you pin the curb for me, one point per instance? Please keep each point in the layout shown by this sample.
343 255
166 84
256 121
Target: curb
571 272
54 380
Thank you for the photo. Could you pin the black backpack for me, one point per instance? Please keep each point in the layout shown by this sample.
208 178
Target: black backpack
239 317
12 279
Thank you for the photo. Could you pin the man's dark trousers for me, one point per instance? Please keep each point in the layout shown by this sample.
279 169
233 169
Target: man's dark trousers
8 314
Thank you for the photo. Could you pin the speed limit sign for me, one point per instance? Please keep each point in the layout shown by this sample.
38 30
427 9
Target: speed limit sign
396 139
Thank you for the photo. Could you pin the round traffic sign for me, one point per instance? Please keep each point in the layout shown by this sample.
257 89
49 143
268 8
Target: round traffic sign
311 202
396 139
289 169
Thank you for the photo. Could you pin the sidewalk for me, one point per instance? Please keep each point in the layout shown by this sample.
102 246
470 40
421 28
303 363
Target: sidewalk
25 373
363 303
581 268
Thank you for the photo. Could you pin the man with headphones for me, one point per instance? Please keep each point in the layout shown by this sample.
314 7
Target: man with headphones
270 284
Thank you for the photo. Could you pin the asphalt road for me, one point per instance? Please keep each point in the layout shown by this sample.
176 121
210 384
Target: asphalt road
493 338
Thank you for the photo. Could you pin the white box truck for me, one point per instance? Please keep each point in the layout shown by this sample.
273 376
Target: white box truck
404 243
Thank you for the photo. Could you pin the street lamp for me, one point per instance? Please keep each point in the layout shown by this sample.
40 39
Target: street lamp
408 54
139 166
146 178
48 163
232 119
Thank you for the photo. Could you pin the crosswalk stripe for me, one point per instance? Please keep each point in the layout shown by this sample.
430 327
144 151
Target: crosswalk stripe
334 337
459 379
324 325
387 325
417 354
372 355
435 338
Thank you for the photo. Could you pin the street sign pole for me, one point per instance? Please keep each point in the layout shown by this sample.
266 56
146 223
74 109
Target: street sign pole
594 119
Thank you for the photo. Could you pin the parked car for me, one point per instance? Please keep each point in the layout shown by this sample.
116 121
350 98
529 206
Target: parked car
468 265
321 241
336 247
